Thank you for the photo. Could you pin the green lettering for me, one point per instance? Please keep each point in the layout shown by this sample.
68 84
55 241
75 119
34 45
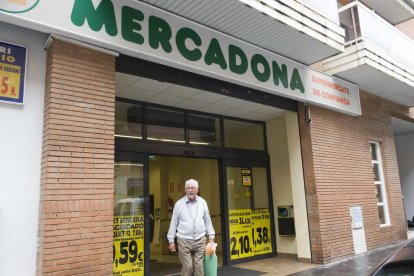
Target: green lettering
131 26
103 15
261 76
159 33
235 54
280 74
180 38
215 55
296 81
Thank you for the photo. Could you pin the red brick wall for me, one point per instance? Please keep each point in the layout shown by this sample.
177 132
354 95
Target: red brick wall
338 174
75 235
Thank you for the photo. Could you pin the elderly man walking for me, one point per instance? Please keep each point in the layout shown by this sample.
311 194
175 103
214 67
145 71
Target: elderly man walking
190 223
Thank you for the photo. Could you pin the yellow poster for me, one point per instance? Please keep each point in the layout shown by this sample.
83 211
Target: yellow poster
261 231
128 246
250 233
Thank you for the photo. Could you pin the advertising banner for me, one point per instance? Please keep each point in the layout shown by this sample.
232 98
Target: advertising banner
12 72
128 246
140 30
250 233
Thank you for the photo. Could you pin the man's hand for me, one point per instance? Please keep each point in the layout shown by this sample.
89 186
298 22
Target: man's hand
171 247
210 240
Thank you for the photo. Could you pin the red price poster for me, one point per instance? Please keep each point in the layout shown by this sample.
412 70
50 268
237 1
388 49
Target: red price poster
128 247
12 72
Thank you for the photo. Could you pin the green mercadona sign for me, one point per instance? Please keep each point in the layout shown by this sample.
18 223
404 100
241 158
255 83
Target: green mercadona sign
160 35
141 30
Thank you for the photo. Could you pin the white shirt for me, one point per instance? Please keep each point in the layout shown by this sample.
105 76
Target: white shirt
190 220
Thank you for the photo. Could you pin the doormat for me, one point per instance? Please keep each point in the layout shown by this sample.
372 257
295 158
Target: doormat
232 271
163 269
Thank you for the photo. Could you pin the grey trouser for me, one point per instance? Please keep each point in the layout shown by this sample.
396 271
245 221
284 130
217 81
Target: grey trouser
191 255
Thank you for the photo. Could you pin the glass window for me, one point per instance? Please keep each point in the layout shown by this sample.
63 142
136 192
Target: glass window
128 225
250 232
349 20
204 130
165 134
244 135
375 170
381 214
128 120
165 125
166 186
378 175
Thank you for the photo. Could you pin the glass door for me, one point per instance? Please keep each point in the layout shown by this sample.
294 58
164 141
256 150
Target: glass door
250 225
167 176
130 226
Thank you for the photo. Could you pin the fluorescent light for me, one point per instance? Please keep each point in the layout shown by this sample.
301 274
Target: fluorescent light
129 164
166 140
126 136
200 143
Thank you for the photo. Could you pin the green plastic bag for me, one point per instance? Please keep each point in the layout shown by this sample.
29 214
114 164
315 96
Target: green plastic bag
210 265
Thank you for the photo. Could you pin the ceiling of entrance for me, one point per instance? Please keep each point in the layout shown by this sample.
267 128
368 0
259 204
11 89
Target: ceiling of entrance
163 93
401 127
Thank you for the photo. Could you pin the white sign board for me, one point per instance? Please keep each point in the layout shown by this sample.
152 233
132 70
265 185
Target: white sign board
140 30
356 217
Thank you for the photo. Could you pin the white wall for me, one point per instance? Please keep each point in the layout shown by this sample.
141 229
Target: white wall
287 181
20 157
405 155
327 7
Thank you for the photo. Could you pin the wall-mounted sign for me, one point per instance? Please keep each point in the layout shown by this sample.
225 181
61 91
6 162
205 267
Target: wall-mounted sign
12 72
137 29
356 217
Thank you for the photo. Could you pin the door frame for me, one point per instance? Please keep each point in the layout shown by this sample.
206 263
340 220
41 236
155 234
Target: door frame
225 222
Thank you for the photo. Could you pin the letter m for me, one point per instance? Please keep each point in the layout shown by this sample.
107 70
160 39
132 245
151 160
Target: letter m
104 14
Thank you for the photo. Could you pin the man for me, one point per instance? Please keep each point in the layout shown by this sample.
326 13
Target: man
190 222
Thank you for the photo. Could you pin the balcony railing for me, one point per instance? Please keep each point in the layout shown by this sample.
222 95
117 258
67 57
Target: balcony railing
361 23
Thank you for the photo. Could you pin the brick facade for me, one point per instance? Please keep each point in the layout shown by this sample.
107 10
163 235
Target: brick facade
76 211
75 227
338 174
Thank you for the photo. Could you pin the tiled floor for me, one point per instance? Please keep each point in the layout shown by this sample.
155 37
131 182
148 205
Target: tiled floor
277 266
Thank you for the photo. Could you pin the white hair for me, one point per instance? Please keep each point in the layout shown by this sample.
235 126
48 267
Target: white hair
191 182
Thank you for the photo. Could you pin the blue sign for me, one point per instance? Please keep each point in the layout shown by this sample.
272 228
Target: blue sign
12 72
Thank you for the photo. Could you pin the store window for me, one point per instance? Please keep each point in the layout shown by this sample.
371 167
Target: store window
155 123
165 125
128 240
128 120
204 130
379 182
250 231
244 135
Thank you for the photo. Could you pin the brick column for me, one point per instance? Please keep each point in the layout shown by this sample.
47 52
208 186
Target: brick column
310 186
76 204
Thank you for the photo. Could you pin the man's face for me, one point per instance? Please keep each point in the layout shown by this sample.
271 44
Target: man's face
191 192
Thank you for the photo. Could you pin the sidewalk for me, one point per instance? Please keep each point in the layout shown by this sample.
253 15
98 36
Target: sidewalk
358 265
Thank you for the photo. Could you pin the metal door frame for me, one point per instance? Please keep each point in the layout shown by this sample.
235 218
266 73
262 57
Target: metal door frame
225 222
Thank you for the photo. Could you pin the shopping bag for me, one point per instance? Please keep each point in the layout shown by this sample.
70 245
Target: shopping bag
210 265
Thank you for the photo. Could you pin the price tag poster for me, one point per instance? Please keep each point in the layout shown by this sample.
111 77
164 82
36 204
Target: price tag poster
12 72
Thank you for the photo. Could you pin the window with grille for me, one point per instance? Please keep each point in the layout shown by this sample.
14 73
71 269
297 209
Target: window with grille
379 182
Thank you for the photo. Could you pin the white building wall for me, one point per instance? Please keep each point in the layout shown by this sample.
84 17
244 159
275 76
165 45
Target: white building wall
288 186
405 155
20 159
